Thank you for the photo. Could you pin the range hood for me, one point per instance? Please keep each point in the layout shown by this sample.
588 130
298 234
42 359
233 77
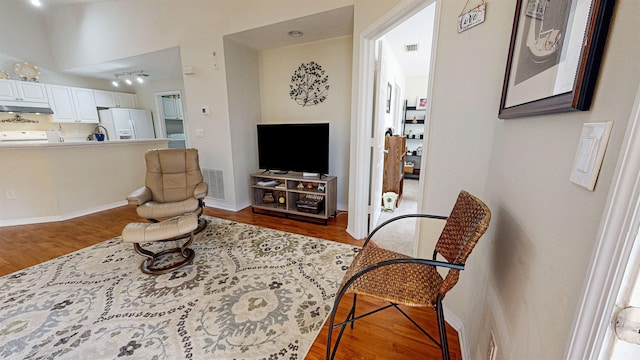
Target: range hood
25 107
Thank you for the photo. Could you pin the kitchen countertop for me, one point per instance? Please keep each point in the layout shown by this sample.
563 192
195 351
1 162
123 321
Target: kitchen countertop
17 145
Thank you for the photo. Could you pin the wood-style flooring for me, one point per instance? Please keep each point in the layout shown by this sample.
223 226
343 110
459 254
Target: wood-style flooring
385 335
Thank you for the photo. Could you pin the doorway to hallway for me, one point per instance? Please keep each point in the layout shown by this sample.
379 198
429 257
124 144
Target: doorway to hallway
409 46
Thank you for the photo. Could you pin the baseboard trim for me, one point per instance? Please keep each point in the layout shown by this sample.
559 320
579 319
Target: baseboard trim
62 217
456 323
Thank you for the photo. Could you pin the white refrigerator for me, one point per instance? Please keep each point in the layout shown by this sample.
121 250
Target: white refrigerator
125 124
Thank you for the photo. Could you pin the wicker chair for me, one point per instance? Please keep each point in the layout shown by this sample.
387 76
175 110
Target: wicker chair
400 280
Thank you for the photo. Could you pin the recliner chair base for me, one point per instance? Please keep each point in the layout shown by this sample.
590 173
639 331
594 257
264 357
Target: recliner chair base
174 229
148 267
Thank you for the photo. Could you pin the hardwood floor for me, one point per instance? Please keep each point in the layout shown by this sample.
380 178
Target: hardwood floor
385 335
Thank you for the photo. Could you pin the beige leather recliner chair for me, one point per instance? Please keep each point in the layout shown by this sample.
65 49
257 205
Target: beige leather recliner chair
174 186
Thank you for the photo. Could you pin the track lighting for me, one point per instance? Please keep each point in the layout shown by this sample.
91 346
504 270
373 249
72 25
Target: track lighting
138 74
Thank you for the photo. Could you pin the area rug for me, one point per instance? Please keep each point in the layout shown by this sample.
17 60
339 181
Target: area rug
251 293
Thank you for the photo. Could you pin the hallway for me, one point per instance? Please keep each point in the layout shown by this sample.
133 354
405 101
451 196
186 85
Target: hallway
399 236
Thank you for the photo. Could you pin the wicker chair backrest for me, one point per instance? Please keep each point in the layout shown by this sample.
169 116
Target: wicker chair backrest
467 222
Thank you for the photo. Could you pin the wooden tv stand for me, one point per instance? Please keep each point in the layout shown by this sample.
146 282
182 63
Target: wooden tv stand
311 202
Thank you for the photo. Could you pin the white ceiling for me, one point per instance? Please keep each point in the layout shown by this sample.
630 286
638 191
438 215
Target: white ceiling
417 29
159 65
164 64
325 25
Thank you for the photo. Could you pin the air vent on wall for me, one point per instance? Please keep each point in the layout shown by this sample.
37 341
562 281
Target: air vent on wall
215 180
411 47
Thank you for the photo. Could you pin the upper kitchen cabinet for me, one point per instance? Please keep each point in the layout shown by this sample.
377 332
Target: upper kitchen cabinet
85 105
111 99
13 90
72 104
172 108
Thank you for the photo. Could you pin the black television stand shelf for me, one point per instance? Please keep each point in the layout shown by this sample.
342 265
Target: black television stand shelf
293 195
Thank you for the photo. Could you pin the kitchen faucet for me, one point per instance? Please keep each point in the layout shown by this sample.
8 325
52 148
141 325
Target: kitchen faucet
105 130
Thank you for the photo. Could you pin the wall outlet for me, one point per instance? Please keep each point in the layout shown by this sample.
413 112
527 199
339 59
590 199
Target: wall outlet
11 194
492 352
199 133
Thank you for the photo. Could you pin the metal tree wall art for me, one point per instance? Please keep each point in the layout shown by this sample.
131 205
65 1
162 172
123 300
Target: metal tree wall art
309 84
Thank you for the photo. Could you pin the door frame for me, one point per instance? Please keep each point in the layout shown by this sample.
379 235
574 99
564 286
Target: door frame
362 109
592 336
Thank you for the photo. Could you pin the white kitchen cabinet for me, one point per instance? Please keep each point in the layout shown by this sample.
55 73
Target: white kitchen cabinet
8 90
125 100
61 102
72 104
179 109
85 105
13 90
169 108
111 99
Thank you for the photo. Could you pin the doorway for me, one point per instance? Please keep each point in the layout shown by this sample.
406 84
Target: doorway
171 118
409 43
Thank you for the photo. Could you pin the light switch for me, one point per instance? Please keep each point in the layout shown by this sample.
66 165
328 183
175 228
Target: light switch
590 152
199 133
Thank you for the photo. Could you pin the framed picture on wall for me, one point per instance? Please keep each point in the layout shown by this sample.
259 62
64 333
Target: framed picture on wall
554 56
389 90
421 103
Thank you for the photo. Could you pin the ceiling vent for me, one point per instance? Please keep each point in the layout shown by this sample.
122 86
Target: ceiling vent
411 47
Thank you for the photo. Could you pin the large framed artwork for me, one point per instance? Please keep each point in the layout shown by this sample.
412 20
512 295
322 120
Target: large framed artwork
554 56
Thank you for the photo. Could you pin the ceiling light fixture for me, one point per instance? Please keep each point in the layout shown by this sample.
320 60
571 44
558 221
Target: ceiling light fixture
36 3
295 33
139 75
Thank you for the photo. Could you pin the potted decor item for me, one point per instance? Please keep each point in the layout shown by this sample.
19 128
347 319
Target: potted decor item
98 135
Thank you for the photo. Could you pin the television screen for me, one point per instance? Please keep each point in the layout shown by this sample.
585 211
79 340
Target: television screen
294 147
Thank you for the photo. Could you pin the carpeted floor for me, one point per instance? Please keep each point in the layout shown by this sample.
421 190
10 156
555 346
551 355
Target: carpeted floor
251 293
399 236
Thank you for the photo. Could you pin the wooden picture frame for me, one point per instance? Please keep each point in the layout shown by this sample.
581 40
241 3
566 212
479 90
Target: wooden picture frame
553 67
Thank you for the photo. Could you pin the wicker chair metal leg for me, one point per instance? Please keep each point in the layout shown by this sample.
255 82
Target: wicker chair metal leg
442 328
331 352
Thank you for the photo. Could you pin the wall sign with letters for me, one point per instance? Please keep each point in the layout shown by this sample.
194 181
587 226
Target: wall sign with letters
472 17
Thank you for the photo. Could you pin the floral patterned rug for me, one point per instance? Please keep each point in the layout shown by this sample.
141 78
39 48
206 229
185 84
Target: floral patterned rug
251 293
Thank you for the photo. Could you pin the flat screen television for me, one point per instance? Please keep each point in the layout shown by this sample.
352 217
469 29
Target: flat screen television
294 147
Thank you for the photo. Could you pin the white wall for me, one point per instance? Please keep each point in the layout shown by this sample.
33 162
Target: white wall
525 277
243 75
395 76
416 87
276 68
